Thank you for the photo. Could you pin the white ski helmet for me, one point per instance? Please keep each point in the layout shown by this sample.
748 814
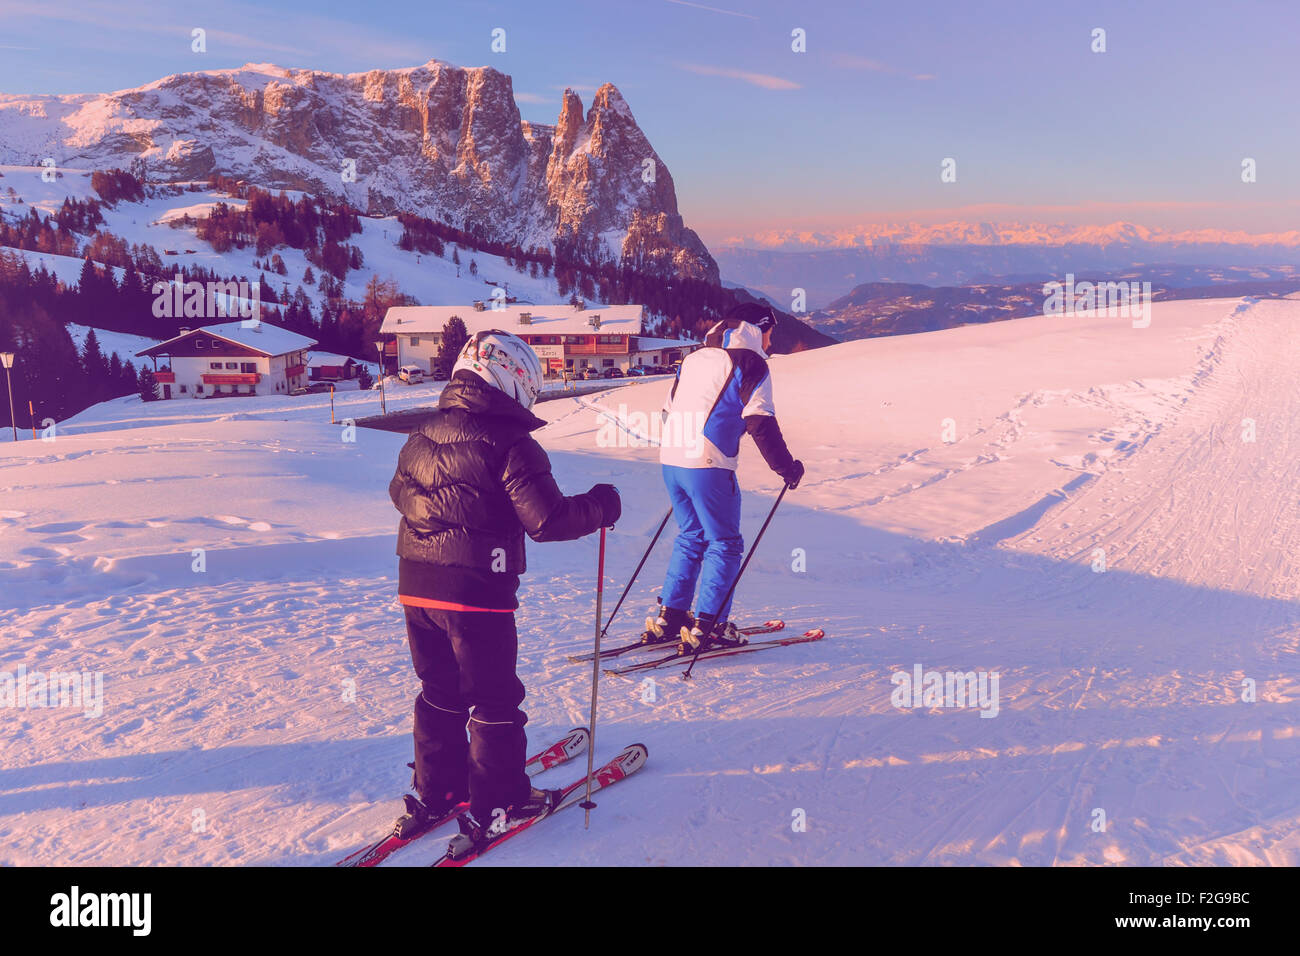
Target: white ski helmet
504 361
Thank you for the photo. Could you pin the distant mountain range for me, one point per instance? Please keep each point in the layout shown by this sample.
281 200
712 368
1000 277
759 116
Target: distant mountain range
827 265
893 308
966 233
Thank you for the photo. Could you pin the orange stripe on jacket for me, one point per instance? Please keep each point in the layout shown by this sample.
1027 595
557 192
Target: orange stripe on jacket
450 605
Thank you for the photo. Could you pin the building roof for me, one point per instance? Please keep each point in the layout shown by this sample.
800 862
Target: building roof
270 340
647 344
546 319
329 360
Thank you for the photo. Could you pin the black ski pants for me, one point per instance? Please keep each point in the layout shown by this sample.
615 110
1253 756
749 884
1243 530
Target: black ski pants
466 663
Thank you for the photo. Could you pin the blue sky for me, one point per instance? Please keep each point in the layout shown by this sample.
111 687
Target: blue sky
852 131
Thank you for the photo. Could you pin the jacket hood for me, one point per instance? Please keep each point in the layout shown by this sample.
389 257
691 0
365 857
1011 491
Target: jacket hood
469 392
741 336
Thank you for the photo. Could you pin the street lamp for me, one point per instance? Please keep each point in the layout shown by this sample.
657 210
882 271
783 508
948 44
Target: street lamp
383 402
7 360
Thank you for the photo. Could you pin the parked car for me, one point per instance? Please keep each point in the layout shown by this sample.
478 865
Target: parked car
411 374
590 372
638 371
613 372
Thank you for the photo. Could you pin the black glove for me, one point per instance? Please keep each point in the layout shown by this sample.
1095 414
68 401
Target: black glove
611 506
794 475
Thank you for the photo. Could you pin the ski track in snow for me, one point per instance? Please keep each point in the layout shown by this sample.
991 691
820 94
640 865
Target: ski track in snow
225 689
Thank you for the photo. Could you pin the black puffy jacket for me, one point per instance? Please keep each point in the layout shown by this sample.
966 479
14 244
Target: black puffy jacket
470 481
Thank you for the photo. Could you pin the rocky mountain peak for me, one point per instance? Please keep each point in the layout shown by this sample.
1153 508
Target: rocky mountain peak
440 140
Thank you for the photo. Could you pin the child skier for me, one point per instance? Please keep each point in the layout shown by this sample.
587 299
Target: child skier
469 483
726 387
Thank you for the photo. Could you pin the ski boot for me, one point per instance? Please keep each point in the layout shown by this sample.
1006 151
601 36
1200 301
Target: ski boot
420 815
664 626
699 638
474 835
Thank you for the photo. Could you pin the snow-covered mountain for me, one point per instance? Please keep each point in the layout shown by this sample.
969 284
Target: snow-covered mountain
828 273
436 139
963 232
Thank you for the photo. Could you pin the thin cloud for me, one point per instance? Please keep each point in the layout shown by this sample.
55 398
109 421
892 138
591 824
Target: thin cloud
766 81
532 98
700 6
851 61
317 35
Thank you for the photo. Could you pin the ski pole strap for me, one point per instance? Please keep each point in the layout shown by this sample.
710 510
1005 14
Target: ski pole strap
732 590
663 524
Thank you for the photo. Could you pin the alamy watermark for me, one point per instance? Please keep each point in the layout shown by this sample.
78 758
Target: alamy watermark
76 908
1130 300
638 429
24 690
178 299
952 689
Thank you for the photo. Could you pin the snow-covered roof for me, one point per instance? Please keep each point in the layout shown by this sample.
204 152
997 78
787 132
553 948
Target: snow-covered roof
260 337
644 344
330 359
546 319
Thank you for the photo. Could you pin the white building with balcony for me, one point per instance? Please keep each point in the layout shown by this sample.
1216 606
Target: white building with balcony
230 359
564 336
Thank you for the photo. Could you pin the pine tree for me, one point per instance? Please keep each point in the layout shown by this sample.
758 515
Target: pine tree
454 337
147 384
114 383
95 368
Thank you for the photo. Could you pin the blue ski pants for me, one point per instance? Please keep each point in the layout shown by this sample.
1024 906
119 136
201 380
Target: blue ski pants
708 548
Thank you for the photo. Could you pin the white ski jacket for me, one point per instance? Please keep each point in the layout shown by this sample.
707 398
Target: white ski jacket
723 391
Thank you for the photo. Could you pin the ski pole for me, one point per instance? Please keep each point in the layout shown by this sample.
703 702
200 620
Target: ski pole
587 805
686 674
662 525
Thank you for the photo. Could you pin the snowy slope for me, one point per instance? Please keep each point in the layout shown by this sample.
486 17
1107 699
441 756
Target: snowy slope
430 279
1120 691
122 344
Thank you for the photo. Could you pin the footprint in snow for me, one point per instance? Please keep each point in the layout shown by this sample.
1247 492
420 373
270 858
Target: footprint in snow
58 527
43 552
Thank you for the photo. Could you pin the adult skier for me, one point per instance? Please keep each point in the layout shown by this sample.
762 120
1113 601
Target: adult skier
470 482
726 388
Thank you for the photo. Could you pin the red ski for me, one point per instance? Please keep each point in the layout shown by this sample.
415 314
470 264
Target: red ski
572 745
681 656
632 759
767 627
